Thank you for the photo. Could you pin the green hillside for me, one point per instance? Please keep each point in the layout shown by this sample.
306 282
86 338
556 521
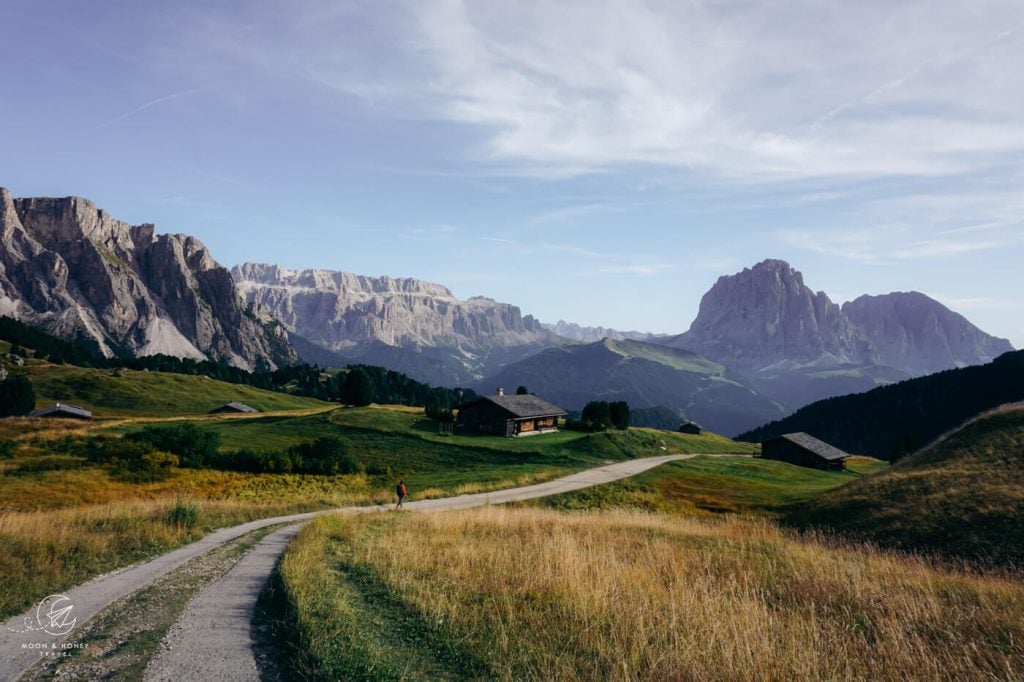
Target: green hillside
644 375
961 498
130 393
712 485
890 421
676 358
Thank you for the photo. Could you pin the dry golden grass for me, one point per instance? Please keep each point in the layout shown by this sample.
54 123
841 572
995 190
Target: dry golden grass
46 552
22 428
538 594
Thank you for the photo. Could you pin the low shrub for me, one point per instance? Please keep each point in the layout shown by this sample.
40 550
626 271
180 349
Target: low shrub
194 446
33 465
327 455
130 460
183 515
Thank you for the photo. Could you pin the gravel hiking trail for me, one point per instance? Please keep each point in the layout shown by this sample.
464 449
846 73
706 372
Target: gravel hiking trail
212 638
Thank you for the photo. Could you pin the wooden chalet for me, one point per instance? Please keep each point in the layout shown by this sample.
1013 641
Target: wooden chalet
62 411
804 450
692 428
233 407
509 415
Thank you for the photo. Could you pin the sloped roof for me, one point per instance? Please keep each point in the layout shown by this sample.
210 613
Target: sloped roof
812 444
63 409
237 407
524 406
689 423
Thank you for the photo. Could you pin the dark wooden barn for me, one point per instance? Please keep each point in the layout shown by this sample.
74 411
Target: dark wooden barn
234 406
509 415
692 428
804 450
63 411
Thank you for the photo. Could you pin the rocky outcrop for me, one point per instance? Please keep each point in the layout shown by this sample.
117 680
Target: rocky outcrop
766 315
920 335
766 320
348 313
73 270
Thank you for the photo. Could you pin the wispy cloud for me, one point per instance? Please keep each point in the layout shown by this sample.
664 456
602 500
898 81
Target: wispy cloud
589 262
205 173
747 91
972 303
585 86
147 105
885 243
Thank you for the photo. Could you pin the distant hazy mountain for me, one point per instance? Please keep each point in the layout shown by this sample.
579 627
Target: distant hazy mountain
575 332
71 269
919 335
766 316
796 345
644 375
406 324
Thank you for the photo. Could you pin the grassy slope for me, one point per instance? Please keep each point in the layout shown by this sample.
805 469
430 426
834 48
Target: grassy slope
403 441
503 593
715 484
63 519
963 497
670 357
150 394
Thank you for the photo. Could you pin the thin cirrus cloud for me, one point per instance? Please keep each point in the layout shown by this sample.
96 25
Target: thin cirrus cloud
888 243
745 91
737 90
151 103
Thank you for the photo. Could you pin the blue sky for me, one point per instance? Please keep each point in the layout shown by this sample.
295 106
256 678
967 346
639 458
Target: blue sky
601 162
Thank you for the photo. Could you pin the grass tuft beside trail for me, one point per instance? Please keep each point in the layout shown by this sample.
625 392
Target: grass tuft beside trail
537 594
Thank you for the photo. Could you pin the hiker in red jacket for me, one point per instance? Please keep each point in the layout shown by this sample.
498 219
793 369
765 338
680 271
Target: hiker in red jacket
401 492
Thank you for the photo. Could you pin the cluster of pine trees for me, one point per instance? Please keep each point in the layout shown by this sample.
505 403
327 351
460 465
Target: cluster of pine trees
600 415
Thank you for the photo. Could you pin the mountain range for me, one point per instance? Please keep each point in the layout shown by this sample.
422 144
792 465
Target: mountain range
765 319
71 269
762 345
412 326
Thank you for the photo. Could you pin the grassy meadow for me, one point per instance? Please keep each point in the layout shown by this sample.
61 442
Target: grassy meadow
714 485
65 518
527 593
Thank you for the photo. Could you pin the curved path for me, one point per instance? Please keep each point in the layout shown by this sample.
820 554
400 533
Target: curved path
211 641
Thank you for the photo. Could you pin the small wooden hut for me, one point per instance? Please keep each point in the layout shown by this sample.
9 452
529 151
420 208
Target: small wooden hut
62 411
509 415
804 450
233 407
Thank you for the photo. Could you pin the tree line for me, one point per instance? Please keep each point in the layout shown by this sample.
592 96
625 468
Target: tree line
355 385
891 421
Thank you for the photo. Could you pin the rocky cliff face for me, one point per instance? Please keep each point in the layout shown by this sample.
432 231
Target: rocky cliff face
766 315
347 313
920 335
766 319
70 268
